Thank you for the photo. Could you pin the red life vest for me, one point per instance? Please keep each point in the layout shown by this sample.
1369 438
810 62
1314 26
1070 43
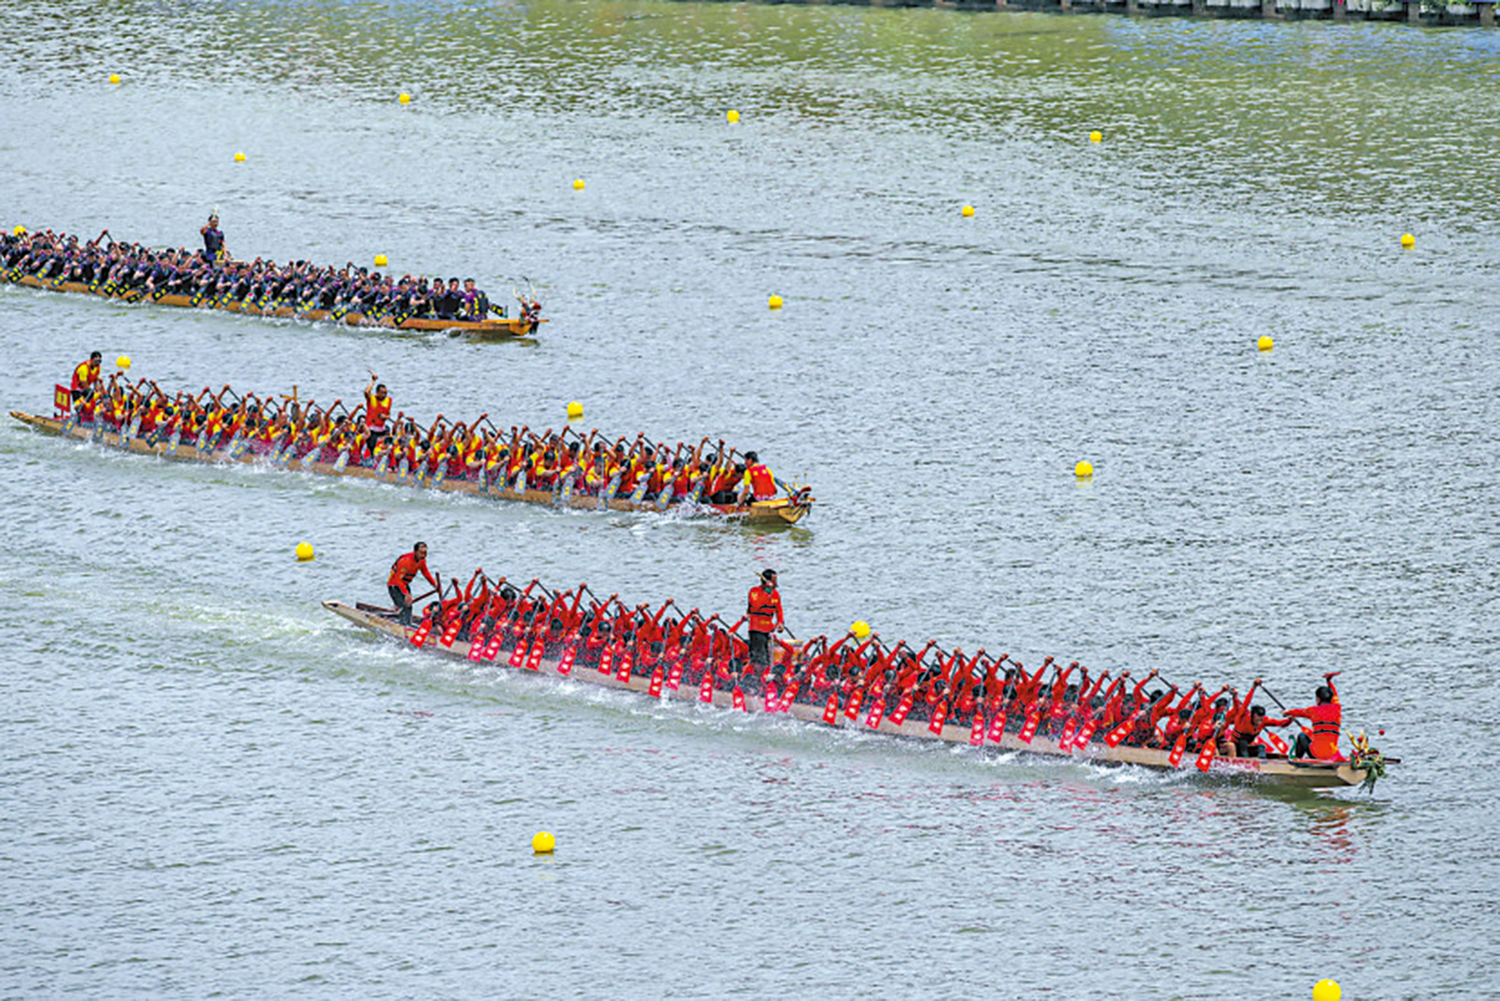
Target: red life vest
377 411
764 609
762 483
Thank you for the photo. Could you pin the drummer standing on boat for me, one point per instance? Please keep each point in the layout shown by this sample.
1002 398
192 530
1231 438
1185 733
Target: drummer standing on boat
213 240
86 377
377 411
764 613
406 567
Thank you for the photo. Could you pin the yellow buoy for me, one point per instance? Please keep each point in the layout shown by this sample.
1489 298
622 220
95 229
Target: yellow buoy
381 260
968 211
861 630
1327 990
405 98
774 302
1407 242
1265 343
19 231
304 551
1096 136
732 115
578 184
575 410
239 158
123 361
1084 469
114 78
542 843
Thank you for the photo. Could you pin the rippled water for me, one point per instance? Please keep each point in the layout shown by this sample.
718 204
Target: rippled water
214 788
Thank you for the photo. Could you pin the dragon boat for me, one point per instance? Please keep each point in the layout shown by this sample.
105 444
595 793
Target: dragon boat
669 679
525 324
787 510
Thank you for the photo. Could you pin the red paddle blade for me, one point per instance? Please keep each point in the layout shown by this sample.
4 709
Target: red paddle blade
938 716
492 648
706 692
1085 735
423 631
623 674
997 728
674 679
476 648
1206 756
1066 740
875 715
565 665
450 634
1177 752
902 708
831 710
976 731
851 711
518 655
1276 742
788 695
771 703
656 679
606 660
738 696
1029 730
534 660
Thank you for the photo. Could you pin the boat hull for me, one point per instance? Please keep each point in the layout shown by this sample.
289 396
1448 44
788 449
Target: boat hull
781 511
502 328
1310 775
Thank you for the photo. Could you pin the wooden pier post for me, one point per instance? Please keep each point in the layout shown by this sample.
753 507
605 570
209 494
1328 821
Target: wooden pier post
1132 8
1486 14
1268 10
1414 11
1340 11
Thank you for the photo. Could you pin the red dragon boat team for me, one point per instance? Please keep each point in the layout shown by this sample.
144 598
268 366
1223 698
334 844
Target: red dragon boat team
860 678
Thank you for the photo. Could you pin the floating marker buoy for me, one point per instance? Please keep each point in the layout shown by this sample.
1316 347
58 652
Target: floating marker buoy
578 184
1265 343
239 158
304 552
732 115
123 361
1096 136
774 302
405 98
1327 990
381 261
114 78
575 410
1084 469
1407 242
542 843
968 211
861 630
19 231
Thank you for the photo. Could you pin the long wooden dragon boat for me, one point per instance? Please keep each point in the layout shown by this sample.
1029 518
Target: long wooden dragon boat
503 328
1310 774
778 511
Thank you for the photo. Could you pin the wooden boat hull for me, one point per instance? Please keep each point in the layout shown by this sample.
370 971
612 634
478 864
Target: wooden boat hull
781 511
1310 775
501 328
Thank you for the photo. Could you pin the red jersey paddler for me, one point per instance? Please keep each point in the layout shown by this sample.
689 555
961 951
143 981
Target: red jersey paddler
406 567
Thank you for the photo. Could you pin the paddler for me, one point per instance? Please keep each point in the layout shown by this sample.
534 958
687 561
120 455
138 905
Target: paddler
406 567
765 618
213 240
86 377
1327 717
